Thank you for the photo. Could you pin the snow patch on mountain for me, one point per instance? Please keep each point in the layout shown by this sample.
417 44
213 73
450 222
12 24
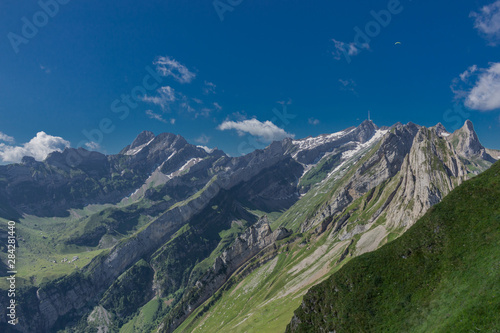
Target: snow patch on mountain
362 147
158 178
313 142
208 150
137 149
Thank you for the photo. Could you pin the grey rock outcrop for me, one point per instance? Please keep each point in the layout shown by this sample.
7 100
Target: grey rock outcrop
429 172
246 246
466 141
383 164
422 164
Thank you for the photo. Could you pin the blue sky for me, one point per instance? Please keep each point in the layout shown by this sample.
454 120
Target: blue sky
236 74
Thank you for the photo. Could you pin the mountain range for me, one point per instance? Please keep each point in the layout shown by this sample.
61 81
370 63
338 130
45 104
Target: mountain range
167 236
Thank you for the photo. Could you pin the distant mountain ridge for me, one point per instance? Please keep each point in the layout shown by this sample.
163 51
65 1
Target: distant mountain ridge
357 188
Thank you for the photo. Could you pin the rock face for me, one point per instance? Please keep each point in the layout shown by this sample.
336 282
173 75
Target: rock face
247 245
310 150
383 164
100 319
429 172
142 139
421 166
397 173
252 241
467 141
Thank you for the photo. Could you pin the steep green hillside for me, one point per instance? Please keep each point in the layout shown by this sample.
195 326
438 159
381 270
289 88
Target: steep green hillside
442 275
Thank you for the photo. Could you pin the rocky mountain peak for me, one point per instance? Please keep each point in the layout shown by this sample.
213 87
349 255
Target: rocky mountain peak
155 143
71 157
28 161
143 138
365 131
396 125
367 125
440 129
466 141
468 124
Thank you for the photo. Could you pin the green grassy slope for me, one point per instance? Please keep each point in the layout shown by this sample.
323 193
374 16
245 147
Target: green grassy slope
51 247
442 275
41 251
265 300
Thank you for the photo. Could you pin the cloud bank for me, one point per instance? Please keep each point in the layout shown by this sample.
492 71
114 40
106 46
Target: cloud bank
487 22
485 95
4 137
265 131
479 88
39 147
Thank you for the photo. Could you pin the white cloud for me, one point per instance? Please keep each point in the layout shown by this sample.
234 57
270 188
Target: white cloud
349 49
166 96
465 75
348 85
156 116
159 117
313 121
167 66
459 84
92 145
203 112
171 100
266 131
206 149
4 137
203 139
187 107
38 147
485 95
209 88
239 115
349 82
201 109
479 88
487 22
